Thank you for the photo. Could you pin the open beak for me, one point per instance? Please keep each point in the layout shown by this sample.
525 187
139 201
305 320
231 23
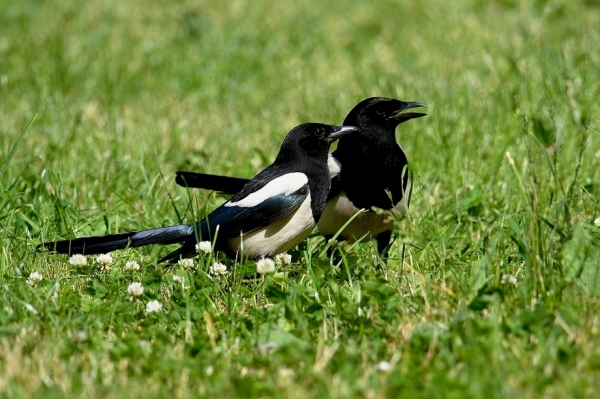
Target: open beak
341 131
401 116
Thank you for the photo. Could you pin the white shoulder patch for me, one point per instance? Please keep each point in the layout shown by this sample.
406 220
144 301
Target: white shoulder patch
335 167
286 184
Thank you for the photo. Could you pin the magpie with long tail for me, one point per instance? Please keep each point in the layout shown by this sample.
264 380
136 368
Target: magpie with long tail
368 170
270 214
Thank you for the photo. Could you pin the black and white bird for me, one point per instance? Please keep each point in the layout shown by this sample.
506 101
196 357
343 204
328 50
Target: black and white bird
270 214
368 170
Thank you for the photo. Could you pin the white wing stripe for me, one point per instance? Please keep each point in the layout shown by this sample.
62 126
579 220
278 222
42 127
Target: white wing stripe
286 185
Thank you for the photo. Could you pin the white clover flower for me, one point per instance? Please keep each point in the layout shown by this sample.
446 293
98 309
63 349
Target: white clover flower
34 278
265 265
104 259
178 279
204 246
132 265
79 335
283 259
187 262
384 366
597 222
78 260
509 279
153 307
135 289
218 269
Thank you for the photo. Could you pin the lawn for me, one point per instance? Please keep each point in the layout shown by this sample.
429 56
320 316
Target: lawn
491 290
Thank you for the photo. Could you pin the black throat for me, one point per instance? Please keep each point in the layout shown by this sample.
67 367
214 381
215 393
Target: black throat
374 167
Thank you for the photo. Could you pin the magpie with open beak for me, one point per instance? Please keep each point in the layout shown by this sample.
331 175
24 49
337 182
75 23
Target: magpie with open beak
368 170
270 214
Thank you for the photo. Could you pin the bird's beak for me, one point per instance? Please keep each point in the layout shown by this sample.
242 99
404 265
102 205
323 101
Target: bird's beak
341 131
400 117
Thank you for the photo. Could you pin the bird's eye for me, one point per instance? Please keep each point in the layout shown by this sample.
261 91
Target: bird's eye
380 111
320 132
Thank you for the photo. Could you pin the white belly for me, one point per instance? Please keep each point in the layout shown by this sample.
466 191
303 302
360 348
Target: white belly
278 237
339 210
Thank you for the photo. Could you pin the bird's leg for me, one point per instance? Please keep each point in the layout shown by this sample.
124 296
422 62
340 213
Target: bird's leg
333 251
384 242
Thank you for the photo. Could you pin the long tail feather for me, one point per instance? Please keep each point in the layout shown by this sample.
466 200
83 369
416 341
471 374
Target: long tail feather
222 184
112 242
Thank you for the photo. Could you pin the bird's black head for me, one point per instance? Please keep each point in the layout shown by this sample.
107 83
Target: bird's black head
381 112
311 140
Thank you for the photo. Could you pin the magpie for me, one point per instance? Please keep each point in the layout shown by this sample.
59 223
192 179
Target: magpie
368 170
270 214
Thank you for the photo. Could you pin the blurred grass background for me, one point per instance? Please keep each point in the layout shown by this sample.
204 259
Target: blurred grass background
122 94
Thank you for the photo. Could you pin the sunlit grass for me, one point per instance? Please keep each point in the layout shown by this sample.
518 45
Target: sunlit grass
497 292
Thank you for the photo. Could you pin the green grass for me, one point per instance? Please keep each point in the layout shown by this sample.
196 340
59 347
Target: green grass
101 102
